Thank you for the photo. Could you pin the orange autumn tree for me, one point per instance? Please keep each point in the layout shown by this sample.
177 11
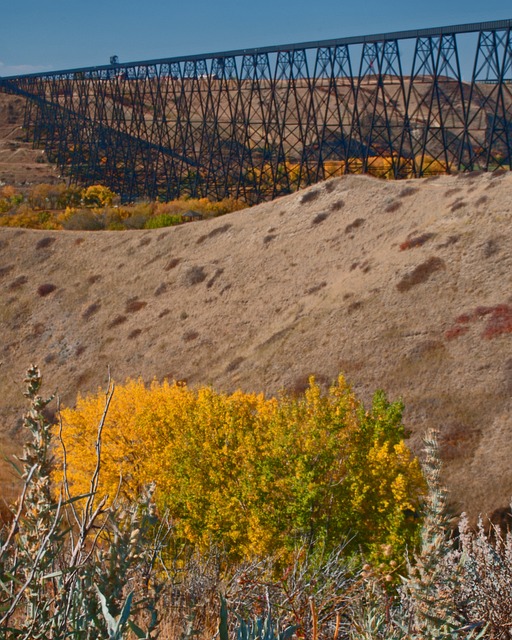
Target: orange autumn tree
256 475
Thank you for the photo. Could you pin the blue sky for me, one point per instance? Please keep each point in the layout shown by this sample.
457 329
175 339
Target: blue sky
39 35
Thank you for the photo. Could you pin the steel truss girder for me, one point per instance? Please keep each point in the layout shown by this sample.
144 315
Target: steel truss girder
257 124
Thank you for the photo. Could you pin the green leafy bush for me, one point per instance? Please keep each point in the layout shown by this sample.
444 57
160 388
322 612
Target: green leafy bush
162 220
259 475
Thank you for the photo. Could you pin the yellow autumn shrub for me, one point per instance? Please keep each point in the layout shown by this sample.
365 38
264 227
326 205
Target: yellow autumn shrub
256 475
97 195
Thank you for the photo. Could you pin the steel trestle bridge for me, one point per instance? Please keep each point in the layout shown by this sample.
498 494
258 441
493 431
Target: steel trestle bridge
259 123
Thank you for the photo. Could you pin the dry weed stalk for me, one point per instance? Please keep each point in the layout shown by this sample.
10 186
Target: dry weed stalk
69 566
312 595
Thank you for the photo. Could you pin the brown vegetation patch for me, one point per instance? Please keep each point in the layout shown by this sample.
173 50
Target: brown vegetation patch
144 242
214 278
491 247
18 282
354 306
408 191
134 304
119 319
393 206
458 204
269 238
79 241
316 288
93 279
38 329
134 334
189 336
319 218
309 196
214 232
416 241
455 438
84 220
194 275
420 274
162 288
153 259
470 174
6 270
45 289
330 185
173 262
164 312
358 222
91 310
426 349
136 221
80 349
452 191
301 383
44 243
234 364
275 337
336 206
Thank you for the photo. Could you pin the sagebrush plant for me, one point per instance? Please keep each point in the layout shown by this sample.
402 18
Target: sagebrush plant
438 597
485 586
70 566
430 586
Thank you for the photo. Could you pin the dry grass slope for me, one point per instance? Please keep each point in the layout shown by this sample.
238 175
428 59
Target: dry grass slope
402 287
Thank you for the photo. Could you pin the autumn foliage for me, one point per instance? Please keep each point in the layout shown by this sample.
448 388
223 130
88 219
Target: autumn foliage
94 208
256 475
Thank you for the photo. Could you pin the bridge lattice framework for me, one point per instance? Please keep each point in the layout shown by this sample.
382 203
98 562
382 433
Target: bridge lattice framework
259 123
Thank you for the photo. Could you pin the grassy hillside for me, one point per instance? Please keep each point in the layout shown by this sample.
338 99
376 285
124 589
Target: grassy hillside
404 286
